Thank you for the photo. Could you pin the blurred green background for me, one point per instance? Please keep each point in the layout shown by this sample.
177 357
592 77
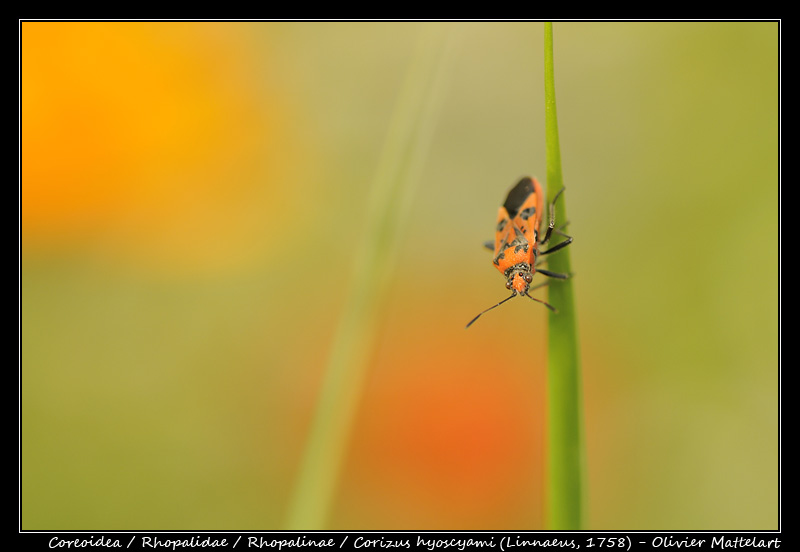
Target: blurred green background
192 195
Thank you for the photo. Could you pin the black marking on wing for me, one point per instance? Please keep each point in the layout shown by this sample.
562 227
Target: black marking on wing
500 256
518 195
525 214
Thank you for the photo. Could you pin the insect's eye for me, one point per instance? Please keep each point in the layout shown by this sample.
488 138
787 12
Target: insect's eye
528 278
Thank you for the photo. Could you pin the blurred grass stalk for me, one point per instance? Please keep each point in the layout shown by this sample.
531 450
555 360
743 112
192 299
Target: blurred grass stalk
407 141
565 439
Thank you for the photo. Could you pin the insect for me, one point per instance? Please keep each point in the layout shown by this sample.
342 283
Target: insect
517 240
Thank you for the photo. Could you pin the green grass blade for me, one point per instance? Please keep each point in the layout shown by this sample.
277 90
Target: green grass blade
565 440
407 141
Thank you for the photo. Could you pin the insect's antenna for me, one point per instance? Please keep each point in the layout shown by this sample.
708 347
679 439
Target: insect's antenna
548 305
490 308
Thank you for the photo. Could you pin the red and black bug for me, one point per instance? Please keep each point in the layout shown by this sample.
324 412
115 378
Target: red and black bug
517 240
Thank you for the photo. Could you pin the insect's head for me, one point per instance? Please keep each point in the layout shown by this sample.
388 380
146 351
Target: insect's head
519 281
519 278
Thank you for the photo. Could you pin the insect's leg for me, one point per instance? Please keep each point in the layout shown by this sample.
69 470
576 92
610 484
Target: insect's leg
559 245
558 230
552 211
489 245
551 228
558 275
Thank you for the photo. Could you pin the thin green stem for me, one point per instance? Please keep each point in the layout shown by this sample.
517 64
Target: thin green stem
394 184
565 440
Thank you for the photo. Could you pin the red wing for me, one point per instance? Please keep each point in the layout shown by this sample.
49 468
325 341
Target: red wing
510 245
527 219
524 205
503 233
518 220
